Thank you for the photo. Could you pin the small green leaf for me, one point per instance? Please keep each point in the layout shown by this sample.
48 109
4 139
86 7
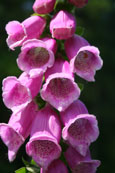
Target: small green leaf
81 86
21 170
33 162
25 162
80 30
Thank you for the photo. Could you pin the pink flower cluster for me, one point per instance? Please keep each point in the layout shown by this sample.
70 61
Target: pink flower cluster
46 72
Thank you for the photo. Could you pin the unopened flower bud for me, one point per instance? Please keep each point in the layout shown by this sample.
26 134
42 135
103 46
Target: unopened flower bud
63 25
43 6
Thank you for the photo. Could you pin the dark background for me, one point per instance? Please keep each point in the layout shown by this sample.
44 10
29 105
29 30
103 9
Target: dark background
98 19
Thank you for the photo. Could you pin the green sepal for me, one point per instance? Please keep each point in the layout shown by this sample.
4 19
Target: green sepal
81 86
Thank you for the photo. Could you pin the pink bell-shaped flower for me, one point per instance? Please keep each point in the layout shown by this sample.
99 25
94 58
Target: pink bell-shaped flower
18 129
60 90
35 56
84 59
63 25
34 83
43 6
79 3
18 32
80 128
43 145
15 95
81 164
57 166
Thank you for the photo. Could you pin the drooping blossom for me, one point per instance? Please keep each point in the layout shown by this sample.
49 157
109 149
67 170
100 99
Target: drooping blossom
80 128
60 90
84 59
30 28
43 145
79 3
51 44
34 83
63 25
79 163
57 166
43 6
18 129
35 57
15 95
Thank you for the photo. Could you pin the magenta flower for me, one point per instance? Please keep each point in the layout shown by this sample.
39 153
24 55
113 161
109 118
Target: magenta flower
57 166
81 164
60 90
34 83
79 3
18 129
63 25
80 127
85 59
45 135
15 95
18 32
51 44
35 56
43 6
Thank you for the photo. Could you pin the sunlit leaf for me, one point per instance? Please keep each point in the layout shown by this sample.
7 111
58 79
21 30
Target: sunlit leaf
21 170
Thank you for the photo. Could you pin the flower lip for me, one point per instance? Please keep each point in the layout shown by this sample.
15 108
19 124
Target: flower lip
86 166
86 62
43 149
12 139
15 95
81 131
8 127
60 90
17 34
35 55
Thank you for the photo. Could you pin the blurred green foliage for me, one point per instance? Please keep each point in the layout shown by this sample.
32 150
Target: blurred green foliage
98 19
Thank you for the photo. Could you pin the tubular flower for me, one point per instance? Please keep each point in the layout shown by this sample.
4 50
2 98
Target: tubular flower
63 25
57 166
60 90
84 59
45 135
18 129
81 164
18 32
43 6
80 128
15 95
35 57
34 83
79 3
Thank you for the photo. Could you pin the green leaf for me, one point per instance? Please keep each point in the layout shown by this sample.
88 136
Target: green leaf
80 30
33 162
81 86
21 170
26 163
